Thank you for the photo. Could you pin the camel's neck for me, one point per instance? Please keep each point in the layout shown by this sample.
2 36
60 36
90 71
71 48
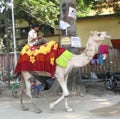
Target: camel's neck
91 49
85 57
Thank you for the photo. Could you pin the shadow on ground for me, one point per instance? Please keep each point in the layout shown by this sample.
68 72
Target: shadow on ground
110 111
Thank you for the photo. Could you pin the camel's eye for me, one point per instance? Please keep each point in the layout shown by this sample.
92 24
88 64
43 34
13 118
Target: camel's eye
98 34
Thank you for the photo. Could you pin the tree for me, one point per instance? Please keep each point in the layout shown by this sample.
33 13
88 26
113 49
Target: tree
113 4
42 11
5 22
47 11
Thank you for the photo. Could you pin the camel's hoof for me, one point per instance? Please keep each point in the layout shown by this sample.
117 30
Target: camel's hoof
25 109
38 111
51 106
69 110
82 94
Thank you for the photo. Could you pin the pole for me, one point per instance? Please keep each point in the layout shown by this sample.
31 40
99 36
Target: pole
14 38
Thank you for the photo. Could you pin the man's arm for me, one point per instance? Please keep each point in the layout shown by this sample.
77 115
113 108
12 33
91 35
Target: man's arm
37 38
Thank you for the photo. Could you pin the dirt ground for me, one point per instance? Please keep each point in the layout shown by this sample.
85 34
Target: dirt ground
97 103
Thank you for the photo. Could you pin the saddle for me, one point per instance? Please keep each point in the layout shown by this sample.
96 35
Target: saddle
40 42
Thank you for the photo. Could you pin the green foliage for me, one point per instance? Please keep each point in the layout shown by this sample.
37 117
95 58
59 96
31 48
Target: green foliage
43 11
46 11
2 46
2 18
83 7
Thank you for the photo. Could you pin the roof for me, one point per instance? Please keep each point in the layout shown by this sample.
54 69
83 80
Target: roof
116 43
97 16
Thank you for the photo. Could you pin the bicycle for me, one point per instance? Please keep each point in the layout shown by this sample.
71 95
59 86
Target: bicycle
2 86
14 86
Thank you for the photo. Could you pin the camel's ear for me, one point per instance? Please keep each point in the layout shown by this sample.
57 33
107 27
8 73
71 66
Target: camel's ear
91 32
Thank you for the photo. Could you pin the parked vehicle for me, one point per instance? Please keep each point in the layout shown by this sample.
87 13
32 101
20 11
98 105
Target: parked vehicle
40 83
2 85
14 88
112 80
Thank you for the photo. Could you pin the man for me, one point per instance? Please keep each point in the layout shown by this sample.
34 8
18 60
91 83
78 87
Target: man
33 38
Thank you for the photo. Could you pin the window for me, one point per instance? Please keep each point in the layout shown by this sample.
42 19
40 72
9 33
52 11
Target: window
24 32
47 30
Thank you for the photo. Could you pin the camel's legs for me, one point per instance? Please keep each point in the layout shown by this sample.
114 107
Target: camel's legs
63 84
21 92
28 90
56 102
68 109
61 81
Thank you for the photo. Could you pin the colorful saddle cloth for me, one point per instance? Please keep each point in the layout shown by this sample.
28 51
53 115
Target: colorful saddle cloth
64 58
40 58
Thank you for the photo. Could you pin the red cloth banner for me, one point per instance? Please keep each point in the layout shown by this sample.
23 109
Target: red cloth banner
40 58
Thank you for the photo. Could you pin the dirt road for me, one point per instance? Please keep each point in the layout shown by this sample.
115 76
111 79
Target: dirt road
87 107
95 105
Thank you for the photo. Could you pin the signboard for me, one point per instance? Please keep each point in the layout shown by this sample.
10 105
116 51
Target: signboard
63 25
72 12
65 41
75 42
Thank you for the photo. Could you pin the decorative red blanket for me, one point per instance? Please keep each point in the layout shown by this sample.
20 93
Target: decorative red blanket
40 58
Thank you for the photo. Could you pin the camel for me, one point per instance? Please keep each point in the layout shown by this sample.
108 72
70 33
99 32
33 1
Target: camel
61 73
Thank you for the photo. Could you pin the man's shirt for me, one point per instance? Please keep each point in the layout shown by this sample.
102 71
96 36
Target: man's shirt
31 35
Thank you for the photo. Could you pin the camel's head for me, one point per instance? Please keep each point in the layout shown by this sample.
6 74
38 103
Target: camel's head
98 36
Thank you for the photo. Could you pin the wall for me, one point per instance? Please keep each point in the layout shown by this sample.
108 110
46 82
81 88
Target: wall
106 23
55 38
100 23
86 24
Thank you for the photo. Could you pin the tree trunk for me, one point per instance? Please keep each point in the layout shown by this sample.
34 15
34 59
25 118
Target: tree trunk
74 80
7 47
64 11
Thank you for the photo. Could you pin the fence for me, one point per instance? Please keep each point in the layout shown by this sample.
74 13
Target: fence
114 55
7 61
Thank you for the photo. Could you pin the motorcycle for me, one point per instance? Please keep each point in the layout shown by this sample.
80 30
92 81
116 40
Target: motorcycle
112 80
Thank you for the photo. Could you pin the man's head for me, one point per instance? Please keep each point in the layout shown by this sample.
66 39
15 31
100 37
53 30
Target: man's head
35 27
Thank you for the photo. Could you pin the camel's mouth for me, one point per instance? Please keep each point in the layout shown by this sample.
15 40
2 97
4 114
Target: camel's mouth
108 36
